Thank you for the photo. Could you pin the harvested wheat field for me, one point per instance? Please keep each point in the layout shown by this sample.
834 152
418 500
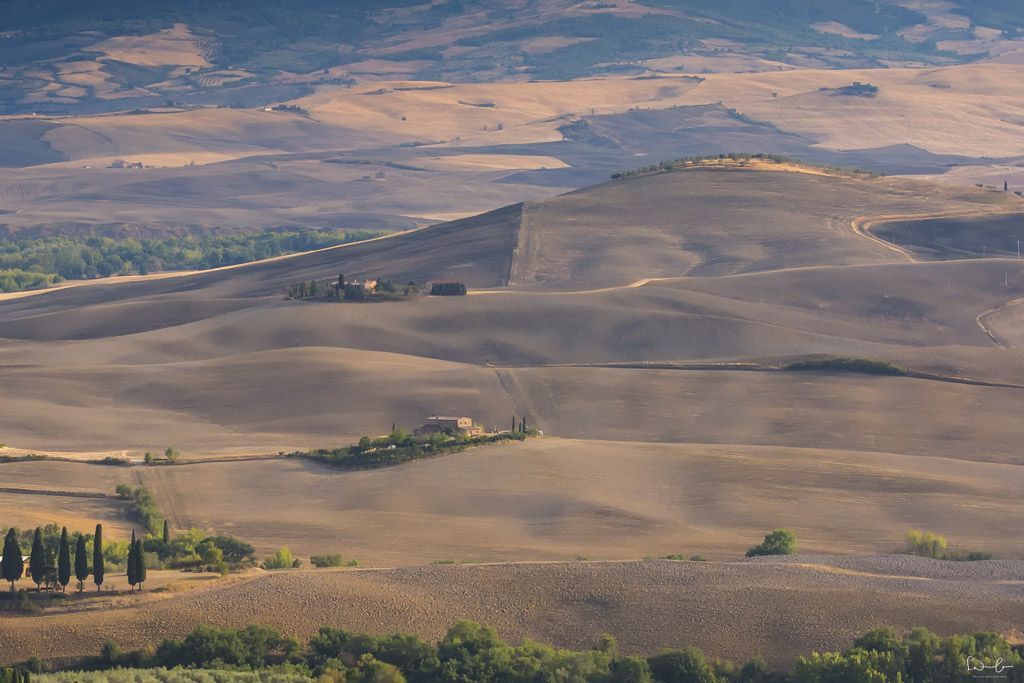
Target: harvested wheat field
650 328
555 499
219 361
813 603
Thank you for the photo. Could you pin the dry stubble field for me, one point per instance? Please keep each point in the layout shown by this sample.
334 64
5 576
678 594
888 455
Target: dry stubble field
219 363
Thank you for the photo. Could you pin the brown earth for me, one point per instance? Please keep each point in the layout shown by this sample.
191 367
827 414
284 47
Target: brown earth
638 324
814 603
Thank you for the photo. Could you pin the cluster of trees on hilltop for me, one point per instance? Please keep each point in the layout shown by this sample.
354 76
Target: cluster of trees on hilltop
28 263
471 653
399 447
342 289
740 158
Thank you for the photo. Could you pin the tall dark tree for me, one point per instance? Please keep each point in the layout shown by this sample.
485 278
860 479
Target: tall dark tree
97 557
140 566
132 578
37 559
167 532
64 561
13 566
81 562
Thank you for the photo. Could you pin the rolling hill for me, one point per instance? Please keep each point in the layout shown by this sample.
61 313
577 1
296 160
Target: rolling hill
649 327
702 265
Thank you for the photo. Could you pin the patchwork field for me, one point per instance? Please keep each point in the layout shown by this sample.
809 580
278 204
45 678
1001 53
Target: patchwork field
394 154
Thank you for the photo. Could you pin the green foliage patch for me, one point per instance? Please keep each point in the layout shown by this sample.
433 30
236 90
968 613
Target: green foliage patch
31 263
864 366
470 652
397 448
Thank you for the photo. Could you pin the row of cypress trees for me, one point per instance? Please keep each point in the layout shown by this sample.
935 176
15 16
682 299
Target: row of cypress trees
41 568
14 676
137 562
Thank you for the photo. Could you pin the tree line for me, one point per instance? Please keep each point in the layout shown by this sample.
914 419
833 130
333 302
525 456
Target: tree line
54 555
28 263
472 653
50 568
342 289
740 158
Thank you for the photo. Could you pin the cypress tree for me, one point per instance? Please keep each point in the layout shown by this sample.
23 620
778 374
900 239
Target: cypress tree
36 560
64 561
81 562
140 566
167 533
132 579
13 565
97 557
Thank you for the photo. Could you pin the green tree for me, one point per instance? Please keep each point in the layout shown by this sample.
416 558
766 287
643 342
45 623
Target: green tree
778 542
686 665
926 544
97 557
140 563
370 670
132 563
81 562
167 533
13 566
37 559
631 670
282 559
172 454
64 561
234 551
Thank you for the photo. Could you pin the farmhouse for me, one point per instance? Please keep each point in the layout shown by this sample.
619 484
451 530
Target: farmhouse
449 425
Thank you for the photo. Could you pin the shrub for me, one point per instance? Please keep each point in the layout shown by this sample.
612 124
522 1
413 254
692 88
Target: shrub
926 544
447 289
686 665
859 365
145 507
115 462
326 560
778 542
282 559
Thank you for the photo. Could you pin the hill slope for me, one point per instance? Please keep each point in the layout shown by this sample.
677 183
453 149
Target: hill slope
763 265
